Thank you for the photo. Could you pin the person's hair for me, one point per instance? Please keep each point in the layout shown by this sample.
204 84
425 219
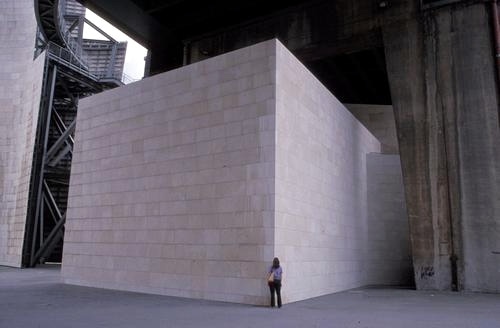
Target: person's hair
276 263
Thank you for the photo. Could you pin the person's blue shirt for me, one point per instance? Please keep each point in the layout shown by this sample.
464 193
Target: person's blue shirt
277 272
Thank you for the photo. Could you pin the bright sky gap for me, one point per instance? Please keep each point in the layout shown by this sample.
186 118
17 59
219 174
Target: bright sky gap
134 59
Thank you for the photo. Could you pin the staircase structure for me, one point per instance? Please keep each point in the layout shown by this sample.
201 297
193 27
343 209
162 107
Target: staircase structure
68 76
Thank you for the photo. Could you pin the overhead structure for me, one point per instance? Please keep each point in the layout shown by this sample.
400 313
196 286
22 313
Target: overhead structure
179 32
433 61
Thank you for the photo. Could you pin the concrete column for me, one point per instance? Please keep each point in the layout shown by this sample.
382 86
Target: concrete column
20 89
441 73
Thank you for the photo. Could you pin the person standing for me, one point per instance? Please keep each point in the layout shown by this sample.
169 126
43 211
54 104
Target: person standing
274 281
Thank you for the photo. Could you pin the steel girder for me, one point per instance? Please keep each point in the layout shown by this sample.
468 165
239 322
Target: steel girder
47 15
66 79
52 161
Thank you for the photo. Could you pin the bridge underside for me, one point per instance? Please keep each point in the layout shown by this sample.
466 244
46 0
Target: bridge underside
432 61
182 32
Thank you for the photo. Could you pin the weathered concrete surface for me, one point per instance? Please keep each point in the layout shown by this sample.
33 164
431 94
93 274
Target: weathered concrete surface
20 90
441 73
36 298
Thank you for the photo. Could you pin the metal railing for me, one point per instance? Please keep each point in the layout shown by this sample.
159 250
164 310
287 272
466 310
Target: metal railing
126 79
70 42
122 77
67 58
74 56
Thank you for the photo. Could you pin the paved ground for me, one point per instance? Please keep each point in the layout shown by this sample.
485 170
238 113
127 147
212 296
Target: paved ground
36 298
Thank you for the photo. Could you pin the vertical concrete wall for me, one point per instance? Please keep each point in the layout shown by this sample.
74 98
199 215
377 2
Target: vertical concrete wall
389 256
20 89
379 120
445 97
471 118
173 180
324 235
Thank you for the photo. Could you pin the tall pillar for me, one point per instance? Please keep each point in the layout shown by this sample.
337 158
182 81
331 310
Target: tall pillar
20 88
442 78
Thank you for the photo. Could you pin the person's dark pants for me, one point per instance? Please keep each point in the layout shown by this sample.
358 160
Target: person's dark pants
275 286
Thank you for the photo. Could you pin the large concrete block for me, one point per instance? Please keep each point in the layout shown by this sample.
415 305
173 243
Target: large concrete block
324 232
205 173
175 162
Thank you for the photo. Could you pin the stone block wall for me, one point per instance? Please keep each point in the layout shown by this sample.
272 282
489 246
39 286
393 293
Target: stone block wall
323 230
173 180
379 120
188 183
20 90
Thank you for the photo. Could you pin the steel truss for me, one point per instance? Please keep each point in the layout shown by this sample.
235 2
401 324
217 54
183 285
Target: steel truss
66 79
61 90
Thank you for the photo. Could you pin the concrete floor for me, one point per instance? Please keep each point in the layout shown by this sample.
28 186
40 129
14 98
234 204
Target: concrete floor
36 298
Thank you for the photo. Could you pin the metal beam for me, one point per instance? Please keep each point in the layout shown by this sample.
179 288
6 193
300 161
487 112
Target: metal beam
42 207
75 23
98 29
44 150
93 88
61 127
52 201
47 15
60 156
48 244
52 151
54 237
